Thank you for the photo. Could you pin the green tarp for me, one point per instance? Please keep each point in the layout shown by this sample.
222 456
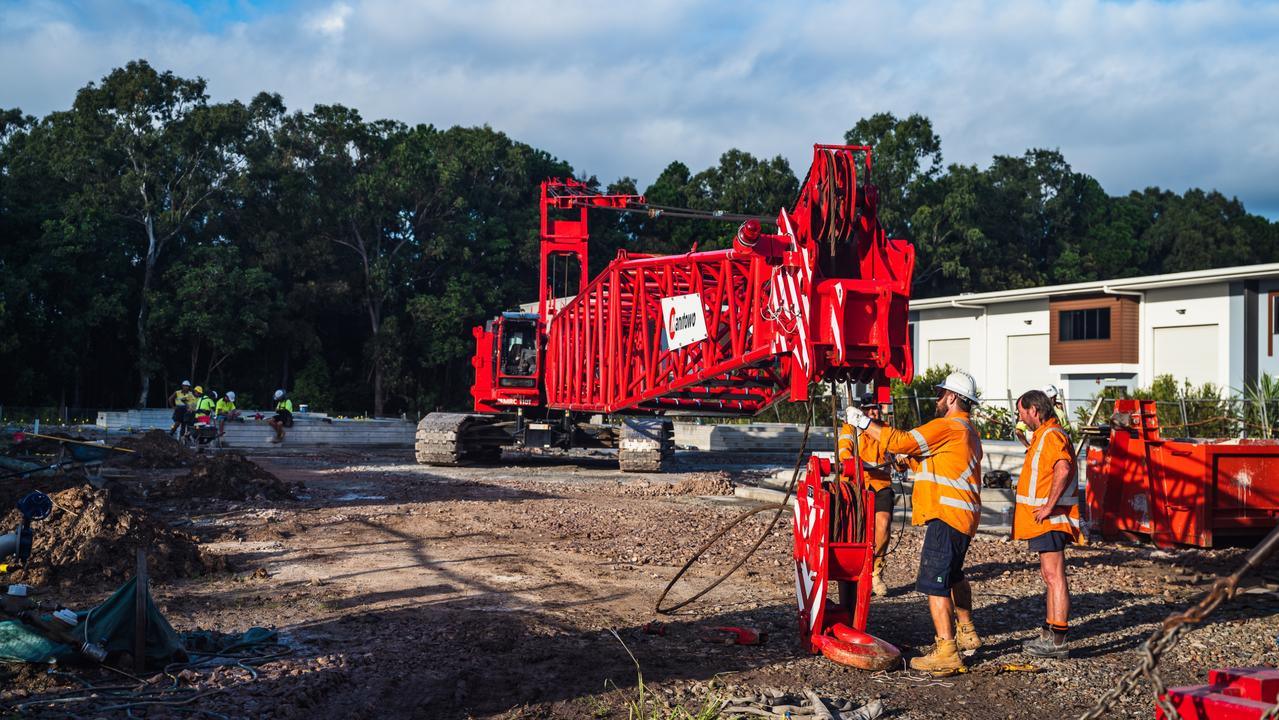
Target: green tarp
109 624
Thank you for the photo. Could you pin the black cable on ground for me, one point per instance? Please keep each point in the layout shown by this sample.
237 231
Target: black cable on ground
173 697
780 507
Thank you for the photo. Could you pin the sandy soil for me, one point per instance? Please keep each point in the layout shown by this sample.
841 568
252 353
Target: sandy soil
494 592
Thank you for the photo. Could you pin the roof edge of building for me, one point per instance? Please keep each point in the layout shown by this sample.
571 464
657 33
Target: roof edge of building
1117 286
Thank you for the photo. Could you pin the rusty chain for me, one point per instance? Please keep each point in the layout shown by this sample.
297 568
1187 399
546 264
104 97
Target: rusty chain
1166 636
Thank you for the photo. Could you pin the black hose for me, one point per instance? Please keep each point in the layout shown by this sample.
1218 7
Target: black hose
780 507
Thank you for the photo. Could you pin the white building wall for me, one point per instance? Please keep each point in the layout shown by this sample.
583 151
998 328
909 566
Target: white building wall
1027 320
1192 315
949 324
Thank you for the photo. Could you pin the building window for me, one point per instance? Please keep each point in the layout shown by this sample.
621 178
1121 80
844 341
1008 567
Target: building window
1090 324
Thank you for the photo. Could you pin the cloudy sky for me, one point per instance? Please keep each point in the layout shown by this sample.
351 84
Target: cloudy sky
1174 94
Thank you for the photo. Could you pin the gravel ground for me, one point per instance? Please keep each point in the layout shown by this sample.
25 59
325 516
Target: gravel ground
495 592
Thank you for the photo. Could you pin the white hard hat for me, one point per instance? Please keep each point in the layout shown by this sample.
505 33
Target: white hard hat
962 384
279 394
186 383
230 395
1051 391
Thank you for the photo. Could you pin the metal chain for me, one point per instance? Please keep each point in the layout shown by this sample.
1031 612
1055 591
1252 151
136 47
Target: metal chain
1165 637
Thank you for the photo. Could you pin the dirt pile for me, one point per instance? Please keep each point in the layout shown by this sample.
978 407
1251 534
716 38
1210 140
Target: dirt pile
13 489
707 483
89 540
228 477
711 483
155 449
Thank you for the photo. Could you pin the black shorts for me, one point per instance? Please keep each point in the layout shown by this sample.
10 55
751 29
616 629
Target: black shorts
180 414
941 561
1051 541
284 417
884 500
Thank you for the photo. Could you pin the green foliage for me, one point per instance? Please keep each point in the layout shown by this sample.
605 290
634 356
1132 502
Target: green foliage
907 163
644 705
1260 412
314 387
915 404
1185 410
994 422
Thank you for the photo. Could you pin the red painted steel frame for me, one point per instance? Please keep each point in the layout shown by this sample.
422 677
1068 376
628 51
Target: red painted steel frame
1180 491
781 311
1231 694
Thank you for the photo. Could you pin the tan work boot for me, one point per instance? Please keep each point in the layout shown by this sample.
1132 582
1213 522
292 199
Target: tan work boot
877 585
966 636
944 657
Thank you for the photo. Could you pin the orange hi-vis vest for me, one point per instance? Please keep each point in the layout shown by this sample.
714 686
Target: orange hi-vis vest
1048 445
870 451
946 455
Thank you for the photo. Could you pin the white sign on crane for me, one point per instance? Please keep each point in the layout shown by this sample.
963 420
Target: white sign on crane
684 320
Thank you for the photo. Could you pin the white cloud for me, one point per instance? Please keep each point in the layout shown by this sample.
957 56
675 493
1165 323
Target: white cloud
331 21
1175 94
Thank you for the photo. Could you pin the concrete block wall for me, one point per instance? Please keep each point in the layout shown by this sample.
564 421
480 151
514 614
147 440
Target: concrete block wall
756 437
323 432
785 438
309 429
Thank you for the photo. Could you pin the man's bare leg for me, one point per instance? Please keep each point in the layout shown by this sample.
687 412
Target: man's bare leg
961 593
941 607
1052 566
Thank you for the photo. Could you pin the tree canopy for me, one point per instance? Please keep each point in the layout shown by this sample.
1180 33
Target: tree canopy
148 235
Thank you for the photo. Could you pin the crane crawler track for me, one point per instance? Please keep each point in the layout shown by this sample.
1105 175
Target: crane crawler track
455 438
645 445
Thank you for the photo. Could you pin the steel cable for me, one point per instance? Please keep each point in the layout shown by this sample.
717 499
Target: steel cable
780 507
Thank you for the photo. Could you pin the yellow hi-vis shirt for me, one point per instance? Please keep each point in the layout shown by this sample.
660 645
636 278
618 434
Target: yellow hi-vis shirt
224 407
1048 445
870 451
946 455
185 398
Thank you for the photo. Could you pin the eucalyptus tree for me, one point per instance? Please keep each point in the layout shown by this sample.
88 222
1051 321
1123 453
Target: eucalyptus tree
147 147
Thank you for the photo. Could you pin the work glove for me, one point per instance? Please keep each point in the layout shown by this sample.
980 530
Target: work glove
855 417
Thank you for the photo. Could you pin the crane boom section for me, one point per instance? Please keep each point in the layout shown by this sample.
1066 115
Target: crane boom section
733 331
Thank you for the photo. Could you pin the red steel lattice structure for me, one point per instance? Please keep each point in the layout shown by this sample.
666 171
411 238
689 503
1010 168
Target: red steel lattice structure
825 298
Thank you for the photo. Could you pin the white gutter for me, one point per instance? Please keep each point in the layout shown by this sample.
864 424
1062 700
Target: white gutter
1111 287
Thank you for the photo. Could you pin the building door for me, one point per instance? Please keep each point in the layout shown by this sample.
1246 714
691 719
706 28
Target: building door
1027 364
1187 353
953 352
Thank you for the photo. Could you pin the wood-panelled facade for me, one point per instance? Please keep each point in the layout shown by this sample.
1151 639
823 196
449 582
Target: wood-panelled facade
1120 347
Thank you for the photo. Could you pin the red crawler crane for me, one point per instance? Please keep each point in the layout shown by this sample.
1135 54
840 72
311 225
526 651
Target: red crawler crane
722 332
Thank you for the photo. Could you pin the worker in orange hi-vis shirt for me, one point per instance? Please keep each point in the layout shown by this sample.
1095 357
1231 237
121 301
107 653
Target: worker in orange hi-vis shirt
1046 514
875 466
946 498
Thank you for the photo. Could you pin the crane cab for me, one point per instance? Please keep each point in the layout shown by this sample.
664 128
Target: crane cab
507 363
